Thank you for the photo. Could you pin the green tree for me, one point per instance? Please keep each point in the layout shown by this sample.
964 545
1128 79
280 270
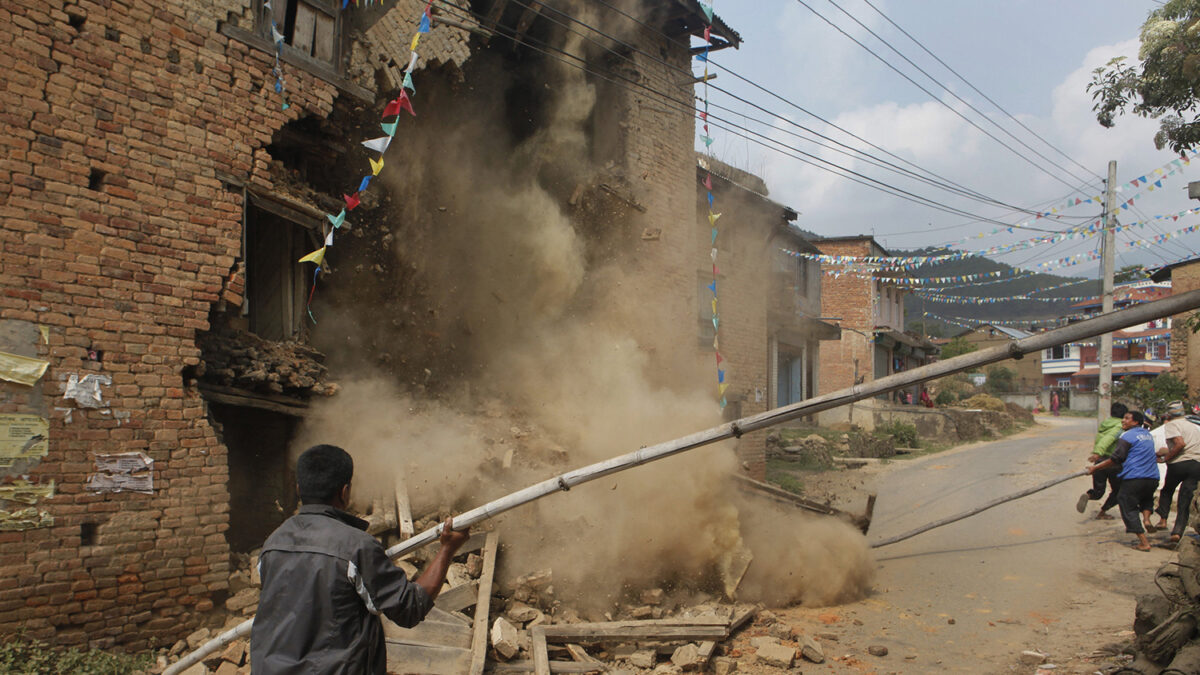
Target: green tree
957 346
999 380
1165 85
1130 273
1152 394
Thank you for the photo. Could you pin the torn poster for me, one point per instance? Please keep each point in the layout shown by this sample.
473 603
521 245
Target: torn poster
25 492
22 438
21 369
123 472
86 391
24 519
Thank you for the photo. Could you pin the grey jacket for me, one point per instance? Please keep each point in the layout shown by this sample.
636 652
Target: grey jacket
324 583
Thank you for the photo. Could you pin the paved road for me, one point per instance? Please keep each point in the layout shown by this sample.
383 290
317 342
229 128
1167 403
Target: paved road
1030 574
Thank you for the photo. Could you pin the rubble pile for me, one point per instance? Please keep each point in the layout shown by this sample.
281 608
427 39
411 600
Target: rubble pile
1166 623
239 359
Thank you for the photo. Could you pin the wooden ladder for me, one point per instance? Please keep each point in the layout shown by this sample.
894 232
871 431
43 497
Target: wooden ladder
448 641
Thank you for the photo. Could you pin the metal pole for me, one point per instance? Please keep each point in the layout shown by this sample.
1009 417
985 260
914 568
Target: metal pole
1107 263
1083 330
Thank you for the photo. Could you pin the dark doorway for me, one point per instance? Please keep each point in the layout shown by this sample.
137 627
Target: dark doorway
262 481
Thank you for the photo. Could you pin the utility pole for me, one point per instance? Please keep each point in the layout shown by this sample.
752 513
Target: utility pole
1107 262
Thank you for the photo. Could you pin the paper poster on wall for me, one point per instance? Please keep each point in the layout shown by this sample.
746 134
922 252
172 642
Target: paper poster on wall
123 472
23 438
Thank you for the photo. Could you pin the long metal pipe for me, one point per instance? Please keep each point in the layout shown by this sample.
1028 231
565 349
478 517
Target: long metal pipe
1175 304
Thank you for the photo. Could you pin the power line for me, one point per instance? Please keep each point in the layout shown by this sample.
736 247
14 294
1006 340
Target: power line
976 89
687 107
941 102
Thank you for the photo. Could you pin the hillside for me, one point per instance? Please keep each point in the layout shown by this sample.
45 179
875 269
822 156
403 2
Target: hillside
1011 310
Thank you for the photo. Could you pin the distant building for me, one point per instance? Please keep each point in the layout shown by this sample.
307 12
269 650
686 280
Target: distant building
870 311
1183 276
1141 351
1028 370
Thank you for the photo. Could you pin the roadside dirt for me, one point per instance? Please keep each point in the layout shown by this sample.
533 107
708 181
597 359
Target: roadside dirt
1032 575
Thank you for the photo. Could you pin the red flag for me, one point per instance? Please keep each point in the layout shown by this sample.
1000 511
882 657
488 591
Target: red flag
708 181
719 359
404 102
703 115
708 33
351 201
392 109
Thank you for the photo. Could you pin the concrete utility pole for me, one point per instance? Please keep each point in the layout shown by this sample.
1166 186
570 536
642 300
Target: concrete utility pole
1107 262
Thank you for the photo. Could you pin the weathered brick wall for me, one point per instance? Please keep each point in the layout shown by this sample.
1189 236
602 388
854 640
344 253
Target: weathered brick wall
743 294
1185 345
850 299
115 119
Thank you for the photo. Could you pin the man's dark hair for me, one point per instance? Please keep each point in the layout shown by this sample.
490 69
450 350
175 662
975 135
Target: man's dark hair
1118 410
321 472
1137 416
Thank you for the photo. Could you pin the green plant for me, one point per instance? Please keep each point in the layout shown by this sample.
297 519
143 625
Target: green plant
957 346
1153 394
944 397
999 380
904 434
33 657
778 473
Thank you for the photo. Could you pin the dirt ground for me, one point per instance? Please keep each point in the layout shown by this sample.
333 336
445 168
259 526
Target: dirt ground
1031 575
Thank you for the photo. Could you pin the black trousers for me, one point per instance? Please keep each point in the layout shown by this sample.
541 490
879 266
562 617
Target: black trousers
1136 496
1184 474
1101 477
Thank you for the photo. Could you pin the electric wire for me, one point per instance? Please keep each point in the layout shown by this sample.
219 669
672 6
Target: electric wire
943 103
976 89
683 106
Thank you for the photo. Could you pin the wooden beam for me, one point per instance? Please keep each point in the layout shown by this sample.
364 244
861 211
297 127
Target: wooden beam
479 639
403 510
531 11
246 399
459 597
619 631
541 657
526 666
493 17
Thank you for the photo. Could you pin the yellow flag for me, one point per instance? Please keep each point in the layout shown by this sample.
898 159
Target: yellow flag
416 39
376 166
317 256
712 218
721 389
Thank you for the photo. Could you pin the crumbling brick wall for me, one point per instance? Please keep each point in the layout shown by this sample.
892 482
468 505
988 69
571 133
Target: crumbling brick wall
116 121
1185 345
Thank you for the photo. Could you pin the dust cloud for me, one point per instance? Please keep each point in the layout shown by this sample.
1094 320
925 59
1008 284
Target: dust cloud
563 363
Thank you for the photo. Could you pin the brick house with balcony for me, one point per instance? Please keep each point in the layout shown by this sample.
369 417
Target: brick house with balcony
1142 351
156 192
869 309
768 301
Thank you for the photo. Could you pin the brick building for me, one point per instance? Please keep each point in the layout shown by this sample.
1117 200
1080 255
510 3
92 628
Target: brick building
156 191
769 301
870 312
1028 370
1183 276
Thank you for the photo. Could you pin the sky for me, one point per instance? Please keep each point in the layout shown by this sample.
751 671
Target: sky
1034 58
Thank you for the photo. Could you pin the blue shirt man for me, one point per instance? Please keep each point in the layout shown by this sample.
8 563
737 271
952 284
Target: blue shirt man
1134 453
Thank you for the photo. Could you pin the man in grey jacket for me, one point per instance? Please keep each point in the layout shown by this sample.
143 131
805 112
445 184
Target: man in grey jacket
325 581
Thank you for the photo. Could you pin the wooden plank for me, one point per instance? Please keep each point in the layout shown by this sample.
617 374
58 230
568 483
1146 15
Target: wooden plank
302 34
476 542
430 633
527 16
634 630
404 509
459 597
439 614
541 657
246 399
479 640
324 38
526 666
405 658
493 16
